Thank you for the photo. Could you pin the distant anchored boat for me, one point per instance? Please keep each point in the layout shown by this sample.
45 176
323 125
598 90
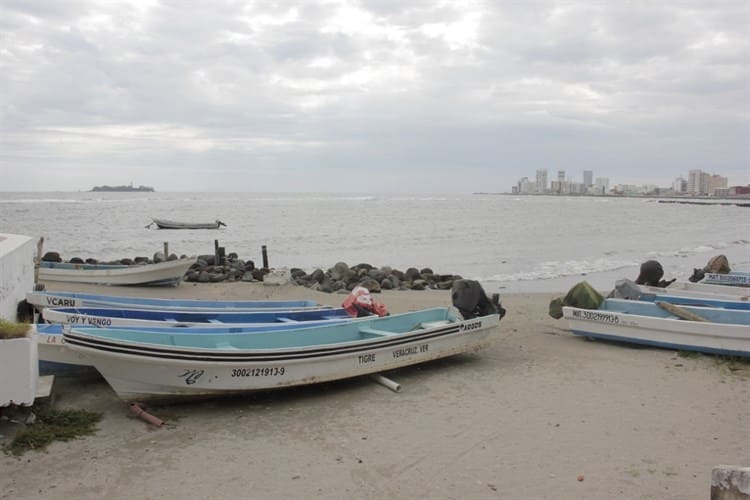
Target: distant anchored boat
171 224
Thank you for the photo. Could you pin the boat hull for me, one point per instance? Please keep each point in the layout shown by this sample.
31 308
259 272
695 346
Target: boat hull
169 224
139 373
42 299
730 279
107 317
159 274
671 333
700 289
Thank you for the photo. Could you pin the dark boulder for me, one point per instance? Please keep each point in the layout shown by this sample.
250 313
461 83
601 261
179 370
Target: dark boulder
52 257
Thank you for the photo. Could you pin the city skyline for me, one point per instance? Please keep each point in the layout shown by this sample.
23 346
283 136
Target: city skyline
697 182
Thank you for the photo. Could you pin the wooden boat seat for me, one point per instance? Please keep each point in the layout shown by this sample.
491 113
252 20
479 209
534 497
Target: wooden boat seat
372 331
224 345
434 324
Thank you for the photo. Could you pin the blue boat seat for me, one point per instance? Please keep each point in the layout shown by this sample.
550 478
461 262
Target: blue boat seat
372 331
434 324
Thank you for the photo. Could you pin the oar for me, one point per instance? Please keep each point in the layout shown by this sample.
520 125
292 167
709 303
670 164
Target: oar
680 312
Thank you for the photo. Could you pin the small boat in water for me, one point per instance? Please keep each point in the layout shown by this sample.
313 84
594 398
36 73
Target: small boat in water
41 299
709 330
105 317
169 272
171 224
168 367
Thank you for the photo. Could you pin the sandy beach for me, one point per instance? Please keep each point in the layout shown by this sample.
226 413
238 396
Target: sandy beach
527 417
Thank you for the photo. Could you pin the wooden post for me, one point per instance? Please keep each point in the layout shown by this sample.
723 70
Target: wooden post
166 250
216 252
264 252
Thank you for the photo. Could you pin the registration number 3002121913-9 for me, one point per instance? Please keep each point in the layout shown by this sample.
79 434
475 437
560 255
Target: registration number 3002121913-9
268 371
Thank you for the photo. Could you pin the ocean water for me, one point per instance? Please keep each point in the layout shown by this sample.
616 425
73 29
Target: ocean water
509 243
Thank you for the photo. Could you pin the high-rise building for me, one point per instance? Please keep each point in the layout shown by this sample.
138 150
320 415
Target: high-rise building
679 185
697 182
541 180
588 178
561 176
602 185
717 182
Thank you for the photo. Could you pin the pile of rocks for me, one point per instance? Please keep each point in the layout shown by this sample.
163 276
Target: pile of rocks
340 278
158 257
343 278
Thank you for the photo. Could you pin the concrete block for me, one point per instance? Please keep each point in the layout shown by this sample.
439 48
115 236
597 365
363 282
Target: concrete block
19 370
730 482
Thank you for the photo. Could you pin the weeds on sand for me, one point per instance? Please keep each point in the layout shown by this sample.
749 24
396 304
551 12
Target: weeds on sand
737 366
52 425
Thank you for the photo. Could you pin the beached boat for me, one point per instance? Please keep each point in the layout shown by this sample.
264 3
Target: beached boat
688 288
170 272
700 301
41 299
724 331
104 317
171 224
167 367
54 354
735 278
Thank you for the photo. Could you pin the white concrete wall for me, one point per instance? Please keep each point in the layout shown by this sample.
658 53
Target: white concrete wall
16 272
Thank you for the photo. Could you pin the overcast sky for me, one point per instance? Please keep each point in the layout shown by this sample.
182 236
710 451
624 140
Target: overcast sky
370 96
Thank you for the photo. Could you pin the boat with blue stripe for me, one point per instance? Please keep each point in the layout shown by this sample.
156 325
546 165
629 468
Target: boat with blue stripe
105 317
42 299
142 366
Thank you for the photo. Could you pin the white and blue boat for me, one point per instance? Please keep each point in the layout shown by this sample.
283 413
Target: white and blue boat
105 317
697 300
165 273
734 278
42 299
141 366
720 331
55 356
689 289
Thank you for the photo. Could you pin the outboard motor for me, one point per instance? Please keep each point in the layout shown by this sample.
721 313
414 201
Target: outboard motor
471 300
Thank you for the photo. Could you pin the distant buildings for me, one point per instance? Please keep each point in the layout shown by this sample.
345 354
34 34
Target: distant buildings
698 183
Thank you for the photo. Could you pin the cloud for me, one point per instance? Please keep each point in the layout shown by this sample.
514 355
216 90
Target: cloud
306 94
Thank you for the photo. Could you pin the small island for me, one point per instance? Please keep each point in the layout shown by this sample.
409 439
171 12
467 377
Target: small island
126 189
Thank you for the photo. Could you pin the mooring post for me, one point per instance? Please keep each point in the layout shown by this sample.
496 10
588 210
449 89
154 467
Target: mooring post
216 252
166 250
38 259
265 256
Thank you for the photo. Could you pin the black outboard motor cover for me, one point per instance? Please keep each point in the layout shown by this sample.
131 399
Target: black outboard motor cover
471 301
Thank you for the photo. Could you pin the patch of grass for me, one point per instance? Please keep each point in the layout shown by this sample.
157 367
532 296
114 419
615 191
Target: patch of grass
688 354
11 330
734 365
52 425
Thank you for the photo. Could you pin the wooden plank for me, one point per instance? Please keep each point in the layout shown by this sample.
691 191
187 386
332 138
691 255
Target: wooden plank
680 312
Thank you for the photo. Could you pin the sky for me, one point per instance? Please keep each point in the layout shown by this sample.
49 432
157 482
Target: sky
380 96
